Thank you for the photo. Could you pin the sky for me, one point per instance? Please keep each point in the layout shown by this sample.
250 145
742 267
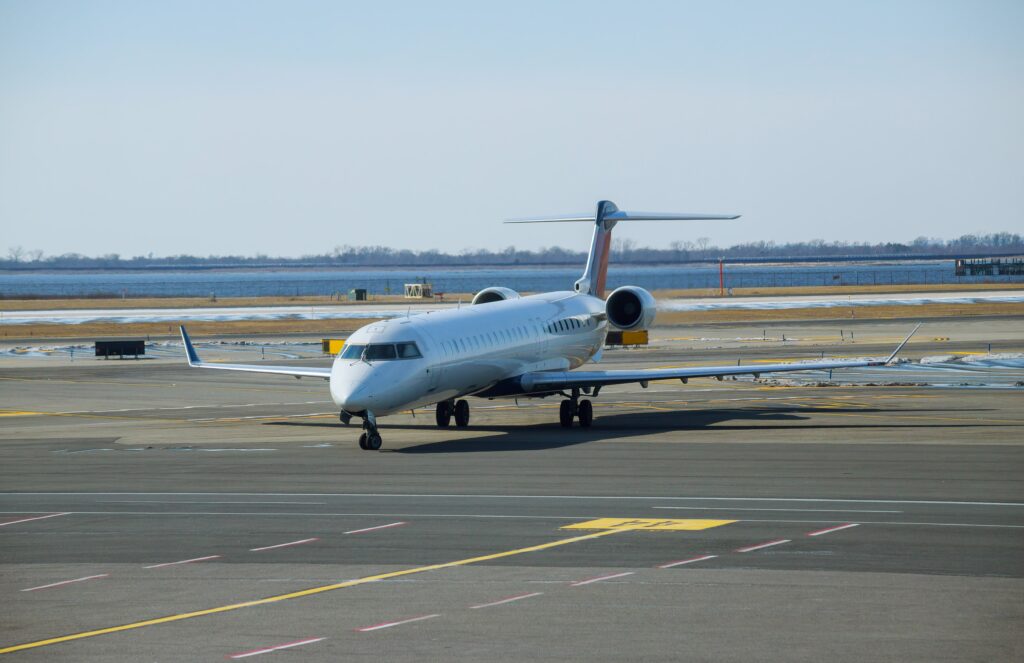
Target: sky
290 128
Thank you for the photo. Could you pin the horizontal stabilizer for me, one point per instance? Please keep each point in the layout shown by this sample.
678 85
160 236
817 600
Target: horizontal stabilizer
622 215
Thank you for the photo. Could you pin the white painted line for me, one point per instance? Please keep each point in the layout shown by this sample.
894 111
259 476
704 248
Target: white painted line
186 503
25 520
66 582
371 529
510 599
743 508
832 529
184 561
485 516
377 627
267 650
763 545
284 545
548 497
580 583
687 561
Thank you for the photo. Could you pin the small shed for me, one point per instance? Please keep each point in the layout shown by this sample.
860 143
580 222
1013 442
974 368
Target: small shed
357 294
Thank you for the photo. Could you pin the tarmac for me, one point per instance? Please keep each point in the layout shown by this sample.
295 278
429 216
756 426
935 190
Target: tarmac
154 512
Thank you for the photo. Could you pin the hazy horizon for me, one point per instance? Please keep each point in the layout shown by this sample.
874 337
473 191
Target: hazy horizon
237 128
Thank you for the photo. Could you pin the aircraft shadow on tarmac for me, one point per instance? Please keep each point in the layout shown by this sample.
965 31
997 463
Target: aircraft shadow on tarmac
532 437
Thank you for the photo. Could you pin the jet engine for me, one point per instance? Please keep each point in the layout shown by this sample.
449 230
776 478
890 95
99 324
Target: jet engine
630 307
488 295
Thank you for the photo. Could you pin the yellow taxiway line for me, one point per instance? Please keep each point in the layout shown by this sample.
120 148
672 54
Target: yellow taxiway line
302 593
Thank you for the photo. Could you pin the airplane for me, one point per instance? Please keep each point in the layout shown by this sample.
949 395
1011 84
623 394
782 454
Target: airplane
505 345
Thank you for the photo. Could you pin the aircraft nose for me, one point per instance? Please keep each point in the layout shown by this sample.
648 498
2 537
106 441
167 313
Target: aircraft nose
354 398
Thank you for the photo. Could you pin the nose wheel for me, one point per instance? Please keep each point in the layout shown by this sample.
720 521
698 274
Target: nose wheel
370 439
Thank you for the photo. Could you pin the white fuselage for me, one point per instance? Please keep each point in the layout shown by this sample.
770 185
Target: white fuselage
467 350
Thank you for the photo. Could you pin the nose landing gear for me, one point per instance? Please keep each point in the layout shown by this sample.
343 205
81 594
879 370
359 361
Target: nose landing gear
370 439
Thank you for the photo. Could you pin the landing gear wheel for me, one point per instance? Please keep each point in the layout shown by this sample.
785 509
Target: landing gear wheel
443 414
462 413
586 413
373 441
565 414
362 441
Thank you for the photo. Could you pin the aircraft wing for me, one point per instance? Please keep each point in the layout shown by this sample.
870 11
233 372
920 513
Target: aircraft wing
542 381
296 371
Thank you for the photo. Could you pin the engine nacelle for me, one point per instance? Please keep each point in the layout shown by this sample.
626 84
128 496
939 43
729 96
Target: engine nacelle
488 295
631 307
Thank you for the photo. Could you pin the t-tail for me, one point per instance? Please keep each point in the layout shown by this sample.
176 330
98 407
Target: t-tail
604 219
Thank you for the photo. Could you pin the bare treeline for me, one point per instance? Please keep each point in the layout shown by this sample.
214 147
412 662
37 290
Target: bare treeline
624 251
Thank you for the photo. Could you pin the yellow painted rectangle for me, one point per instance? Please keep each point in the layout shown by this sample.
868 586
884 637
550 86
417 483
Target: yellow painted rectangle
635 337
332 346
688 524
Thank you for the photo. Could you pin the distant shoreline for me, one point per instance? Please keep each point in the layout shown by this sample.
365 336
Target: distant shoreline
573 260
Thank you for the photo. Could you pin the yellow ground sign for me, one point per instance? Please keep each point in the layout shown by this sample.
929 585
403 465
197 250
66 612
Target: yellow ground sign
689 524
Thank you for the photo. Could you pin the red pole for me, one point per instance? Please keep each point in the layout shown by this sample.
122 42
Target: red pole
721 278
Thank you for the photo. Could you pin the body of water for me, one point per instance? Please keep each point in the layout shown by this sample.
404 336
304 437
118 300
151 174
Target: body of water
324 282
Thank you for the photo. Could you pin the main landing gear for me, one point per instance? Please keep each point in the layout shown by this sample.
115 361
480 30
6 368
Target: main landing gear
447 409
370 439
574 408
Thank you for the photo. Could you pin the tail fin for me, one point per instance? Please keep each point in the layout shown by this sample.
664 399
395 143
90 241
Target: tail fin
604 219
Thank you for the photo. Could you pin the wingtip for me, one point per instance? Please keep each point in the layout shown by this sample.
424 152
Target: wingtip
190 351
899 347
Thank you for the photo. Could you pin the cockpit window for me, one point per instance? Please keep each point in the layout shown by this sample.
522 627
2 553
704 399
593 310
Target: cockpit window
381 351
408 351
376 351
352 351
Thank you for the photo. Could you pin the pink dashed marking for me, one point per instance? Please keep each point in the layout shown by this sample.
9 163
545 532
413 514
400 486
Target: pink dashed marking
580 583
763 545
66 582
25 520
377 627
832 529
687 561
184 561
518 597
267 650
285 545
370 529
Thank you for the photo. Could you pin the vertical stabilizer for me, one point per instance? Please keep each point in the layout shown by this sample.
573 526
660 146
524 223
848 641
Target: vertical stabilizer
593 279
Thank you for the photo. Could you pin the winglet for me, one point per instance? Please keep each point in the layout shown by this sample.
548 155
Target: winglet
900 346
190 351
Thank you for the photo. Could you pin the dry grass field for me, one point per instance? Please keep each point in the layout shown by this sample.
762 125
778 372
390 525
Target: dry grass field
206 302
341 327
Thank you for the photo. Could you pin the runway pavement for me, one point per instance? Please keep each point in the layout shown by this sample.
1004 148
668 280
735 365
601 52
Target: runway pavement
152 512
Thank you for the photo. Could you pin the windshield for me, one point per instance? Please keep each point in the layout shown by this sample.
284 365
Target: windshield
352 351
382 351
